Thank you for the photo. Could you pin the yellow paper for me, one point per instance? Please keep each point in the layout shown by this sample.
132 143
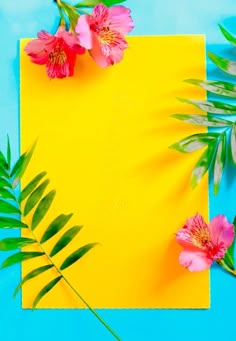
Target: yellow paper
103 138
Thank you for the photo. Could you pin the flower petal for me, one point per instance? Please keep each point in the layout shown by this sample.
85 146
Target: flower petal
116 56
84 33
100 14
98 54
35 49
195 261
120 19
44 35
196 221
221 231
183 237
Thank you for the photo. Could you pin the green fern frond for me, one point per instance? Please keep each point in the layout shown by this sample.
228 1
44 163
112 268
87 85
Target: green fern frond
214 157
15 206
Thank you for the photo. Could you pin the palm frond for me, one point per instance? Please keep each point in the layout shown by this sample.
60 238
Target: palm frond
224 141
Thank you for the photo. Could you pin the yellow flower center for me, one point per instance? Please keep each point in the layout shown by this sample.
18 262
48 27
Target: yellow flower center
106 36
57 56
200 236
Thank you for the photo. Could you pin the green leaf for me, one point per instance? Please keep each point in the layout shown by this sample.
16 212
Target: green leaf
6 194
8 152
15 243
110 3
216 87
93 3
75 256
20 257
233 143
42 209
31 275
194 142
55 226
3 172
202 120
45 290
228 35
219 163
212 107
203 164
35 196
4 183
8 223
21 165
67 237
31 186
5 207
229 260
229 256
3 161
226 65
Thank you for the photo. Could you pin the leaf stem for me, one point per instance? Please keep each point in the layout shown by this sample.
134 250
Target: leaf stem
226 268
75 290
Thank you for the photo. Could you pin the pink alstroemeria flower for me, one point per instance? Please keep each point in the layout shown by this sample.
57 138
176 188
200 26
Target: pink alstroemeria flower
204 243
57 52
103 33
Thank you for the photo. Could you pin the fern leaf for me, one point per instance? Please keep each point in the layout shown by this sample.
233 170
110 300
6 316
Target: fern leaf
31 186
20 257
212 107
35 196
203 120
3 161
4 183
233 143
224 64
67 237
194 142
6 207
75 256
228 35
221 88
42 209
219 163
6 194
45 290
8 244
203 164
55 226
3 172
8 223
8 152
31 275
21 165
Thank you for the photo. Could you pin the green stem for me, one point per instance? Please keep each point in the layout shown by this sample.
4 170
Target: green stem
226 268
60 10
75 291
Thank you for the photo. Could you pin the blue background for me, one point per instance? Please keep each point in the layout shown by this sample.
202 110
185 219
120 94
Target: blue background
20 19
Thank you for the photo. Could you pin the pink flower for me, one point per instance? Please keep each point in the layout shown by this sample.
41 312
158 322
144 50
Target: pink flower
204 243
57 52
103 33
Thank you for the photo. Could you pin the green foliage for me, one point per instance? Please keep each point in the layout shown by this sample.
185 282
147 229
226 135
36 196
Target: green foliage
93 3
229 256
14 209
222 141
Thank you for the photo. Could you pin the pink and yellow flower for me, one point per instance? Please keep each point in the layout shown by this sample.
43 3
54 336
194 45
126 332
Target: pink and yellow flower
58 52
103 33
204 243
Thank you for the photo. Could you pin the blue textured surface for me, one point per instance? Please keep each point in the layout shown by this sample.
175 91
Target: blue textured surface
19 19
